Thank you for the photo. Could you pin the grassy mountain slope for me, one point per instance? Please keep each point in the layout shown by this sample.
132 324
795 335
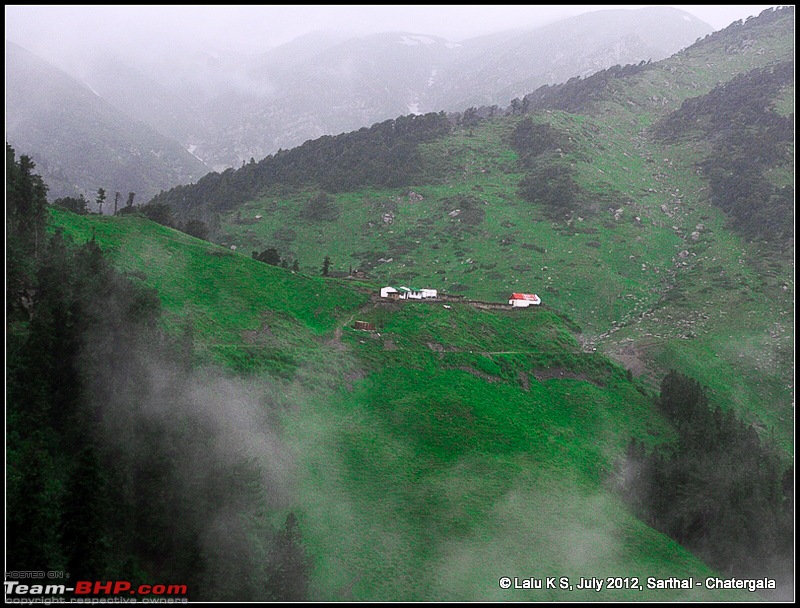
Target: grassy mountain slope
430 458
642 259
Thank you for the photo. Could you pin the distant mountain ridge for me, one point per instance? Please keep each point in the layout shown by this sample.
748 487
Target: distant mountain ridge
79 141
578 46
228 109
362 81
314 161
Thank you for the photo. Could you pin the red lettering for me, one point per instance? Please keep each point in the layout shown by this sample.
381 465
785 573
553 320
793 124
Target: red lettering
119 587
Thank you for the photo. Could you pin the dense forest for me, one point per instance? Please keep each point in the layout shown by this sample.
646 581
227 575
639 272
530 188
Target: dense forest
108 473
576 94
731 36
383 155
548 181
719 490
748 138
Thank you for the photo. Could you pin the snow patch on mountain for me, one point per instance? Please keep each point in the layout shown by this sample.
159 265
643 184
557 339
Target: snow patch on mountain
432 77
414 40
190 149
88 86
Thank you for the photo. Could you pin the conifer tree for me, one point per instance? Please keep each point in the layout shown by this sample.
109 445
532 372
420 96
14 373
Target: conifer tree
101 198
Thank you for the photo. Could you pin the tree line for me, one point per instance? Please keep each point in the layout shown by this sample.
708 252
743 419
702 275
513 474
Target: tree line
719 490
94 486
81 205
157 212
748 139
548 180
384 155
576 94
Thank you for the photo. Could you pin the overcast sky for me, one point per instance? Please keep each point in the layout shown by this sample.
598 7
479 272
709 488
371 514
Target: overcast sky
58 32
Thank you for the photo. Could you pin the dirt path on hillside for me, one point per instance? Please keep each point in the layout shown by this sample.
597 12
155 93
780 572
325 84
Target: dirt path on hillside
336 342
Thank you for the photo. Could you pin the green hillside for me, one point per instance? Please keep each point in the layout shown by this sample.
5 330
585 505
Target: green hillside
447 449
178 409
634 246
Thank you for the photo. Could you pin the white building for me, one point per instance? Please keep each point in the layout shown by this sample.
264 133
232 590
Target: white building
408 293
523 300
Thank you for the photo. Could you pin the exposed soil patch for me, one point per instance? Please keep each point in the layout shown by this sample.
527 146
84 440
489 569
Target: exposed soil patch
336 342
351 377
257 336
561 373
476 373
630 357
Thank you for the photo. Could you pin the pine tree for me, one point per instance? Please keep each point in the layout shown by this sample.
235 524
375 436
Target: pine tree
197 228
77 205
288 568
101 198
32 520
85 512
26 202
269 256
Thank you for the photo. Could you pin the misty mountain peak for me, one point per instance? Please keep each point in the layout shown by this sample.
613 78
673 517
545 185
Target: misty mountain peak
227 107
